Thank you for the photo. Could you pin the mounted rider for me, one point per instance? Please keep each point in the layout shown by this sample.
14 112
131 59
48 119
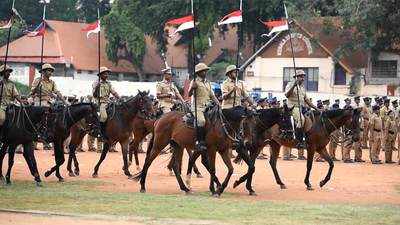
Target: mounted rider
233 90
201 93
297 97
167 92
101 93
8 92
44 90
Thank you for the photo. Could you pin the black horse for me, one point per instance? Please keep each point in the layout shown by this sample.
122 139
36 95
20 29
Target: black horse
20 127
61 122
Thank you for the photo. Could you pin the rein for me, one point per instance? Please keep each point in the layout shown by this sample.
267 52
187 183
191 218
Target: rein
224 126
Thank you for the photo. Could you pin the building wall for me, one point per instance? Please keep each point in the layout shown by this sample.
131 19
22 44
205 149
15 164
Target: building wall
268 74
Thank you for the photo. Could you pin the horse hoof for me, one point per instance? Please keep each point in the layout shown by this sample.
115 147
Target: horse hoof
199 175
322 183
38 184
235 184
142 190
95 175
216 195
61 180
77 173
309 188
171 173
47 174
71 174
189 192
283 186
2 179
252 193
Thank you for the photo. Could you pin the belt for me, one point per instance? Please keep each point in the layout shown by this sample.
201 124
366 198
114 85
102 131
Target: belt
377 130
366 119
391 132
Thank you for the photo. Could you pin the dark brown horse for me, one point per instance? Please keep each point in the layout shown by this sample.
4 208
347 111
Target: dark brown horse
171 129
261 120
317 139
119 126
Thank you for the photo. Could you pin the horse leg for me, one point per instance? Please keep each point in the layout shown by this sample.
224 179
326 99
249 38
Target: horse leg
3 152
11 154
310 157
71 154
251 171
195 169
170 166
60 159
125 149
31 162
104 152
272 162
327 158
177 159
249 163
133 149
227 160
211 155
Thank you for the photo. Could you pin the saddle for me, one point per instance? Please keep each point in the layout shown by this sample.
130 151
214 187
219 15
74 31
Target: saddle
210 114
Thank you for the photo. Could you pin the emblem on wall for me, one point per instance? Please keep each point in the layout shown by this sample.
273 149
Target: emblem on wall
300 44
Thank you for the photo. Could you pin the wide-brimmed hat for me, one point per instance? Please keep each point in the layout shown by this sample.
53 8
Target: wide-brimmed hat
230 68
299 73
386 100
347 100
167 71
326 101
200 67
5 68
356 97
103 69
366 99
47 66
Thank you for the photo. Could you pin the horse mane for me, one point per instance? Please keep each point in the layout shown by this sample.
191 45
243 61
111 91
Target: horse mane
266 114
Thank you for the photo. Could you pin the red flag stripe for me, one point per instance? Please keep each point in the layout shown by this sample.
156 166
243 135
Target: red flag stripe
232 14
92 26
179 21
275 23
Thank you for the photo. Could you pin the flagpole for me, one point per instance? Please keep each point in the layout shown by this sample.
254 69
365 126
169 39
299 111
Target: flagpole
98 53
194 70
7 47
42 52
239 34
294 65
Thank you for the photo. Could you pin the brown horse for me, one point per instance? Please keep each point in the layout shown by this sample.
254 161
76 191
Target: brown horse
317 139
144 127
119 126
171 129
262 119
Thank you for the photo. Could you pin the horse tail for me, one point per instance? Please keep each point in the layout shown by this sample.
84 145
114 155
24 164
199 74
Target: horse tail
137 177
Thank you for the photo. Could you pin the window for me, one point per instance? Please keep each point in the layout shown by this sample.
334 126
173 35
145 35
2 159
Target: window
384 69
311 81
340 75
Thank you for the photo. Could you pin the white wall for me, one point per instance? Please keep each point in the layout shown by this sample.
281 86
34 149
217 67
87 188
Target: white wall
268 73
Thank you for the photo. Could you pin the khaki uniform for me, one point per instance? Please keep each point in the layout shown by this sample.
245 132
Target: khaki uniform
226 87
390 133
333 144
8 94
383 114
204 96
43 91
294 101
376 126
165 87
105 91
365 115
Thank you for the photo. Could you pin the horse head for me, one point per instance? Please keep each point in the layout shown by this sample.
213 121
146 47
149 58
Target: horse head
144 103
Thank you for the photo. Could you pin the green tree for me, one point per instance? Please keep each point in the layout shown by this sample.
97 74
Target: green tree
88 9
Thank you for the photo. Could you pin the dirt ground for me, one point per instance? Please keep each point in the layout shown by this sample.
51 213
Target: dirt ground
361 183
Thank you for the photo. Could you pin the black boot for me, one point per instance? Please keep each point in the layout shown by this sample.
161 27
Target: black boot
300 137
201 141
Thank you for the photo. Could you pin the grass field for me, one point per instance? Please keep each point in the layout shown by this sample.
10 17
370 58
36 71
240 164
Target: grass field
84 197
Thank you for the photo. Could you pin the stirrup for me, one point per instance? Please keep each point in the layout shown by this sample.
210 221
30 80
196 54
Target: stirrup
200 146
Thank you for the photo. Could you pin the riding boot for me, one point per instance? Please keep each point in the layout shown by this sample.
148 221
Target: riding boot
300 137
201 140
